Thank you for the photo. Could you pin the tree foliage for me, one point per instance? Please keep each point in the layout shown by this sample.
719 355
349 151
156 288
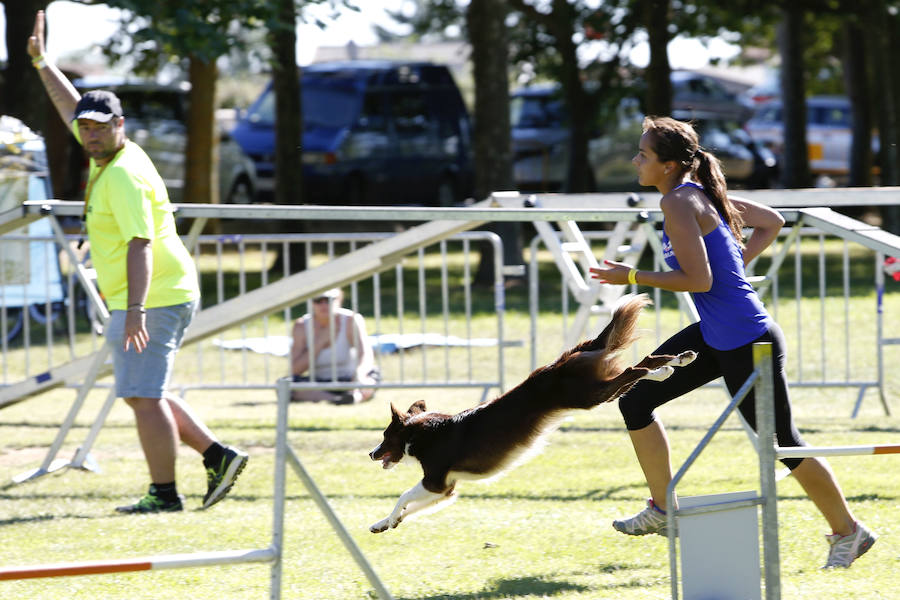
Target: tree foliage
154 33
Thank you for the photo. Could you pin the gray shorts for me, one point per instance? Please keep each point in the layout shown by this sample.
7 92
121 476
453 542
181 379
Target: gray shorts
146 374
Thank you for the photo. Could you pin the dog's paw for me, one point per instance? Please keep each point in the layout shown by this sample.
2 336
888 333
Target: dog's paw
683 359
378 527
659 374
394 521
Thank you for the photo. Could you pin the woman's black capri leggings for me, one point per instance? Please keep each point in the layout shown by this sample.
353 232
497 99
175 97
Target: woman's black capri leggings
735 366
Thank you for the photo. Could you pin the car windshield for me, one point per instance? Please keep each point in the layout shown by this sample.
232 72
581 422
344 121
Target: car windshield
321 108
536 112
834 116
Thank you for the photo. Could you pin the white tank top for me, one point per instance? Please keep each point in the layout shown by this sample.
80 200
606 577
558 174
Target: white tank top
346 357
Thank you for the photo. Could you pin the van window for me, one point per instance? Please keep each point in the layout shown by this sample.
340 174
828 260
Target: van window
371 116
416 132
447 112
143 105
262 112
321 107
329 107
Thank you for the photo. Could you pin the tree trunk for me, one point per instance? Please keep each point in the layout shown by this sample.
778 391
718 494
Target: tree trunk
289 128
21 93
491 138
856 83
288 115
795 159
580 108
201 167
655 18
883 34
485 21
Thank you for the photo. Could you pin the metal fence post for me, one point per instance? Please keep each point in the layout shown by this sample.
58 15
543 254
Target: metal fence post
765 424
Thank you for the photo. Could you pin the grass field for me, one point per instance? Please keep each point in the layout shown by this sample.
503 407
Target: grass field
542 531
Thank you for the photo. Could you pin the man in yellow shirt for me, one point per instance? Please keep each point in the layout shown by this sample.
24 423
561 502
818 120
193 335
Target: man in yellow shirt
149 282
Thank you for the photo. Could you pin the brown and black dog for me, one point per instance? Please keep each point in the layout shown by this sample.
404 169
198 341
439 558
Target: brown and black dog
486 440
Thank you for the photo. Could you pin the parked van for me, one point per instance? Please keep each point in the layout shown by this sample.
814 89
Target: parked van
374 132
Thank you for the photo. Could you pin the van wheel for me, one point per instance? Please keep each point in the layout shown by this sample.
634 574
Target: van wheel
445 196
240 193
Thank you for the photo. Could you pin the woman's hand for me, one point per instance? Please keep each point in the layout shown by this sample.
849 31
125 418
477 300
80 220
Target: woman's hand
615 273
36 41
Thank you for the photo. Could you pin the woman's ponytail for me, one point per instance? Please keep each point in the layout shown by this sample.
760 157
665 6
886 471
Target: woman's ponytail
708 171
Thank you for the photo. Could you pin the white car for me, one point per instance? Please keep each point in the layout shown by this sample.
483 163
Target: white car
829 133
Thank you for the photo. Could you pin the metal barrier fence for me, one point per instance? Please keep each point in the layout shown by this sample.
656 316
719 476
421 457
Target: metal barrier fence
417 343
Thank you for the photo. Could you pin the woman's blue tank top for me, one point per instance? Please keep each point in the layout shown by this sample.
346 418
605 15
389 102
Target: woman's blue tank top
731 313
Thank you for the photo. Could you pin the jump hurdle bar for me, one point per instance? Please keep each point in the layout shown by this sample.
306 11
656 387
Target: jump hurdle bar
272 554
171 561
805 451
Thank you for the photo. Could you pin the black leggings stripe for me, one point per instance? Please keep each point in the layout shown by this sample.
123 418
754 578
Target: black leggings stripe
735 366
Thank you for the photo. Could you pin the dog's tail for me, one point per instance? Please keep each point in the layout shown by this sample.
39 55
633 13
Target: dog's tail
595 361
621 330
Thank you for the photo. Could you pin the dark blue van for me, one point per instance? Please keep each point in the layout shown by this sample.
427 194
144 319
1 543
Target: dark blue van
374 132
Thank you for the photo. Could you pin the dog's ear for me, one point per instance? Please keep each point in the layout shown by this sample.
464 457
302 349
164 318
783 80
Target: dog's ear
396 415
417 407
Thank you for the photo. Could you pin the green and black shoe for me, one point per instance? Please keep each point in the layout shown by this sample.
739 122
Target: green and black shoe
221 477
151 503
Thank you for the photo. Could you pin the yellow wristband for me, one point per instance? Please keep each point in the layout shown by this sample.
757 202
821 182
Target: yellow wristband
39 64
632 276
37 59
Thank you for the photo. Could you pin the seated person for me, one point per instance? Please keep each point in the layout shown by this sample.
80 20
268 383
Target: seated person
346 345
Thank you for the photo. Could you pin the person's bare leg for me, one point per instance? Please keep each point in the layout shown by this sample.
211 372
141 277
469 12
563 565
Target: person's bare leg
157 433
651 445
818 481
191 429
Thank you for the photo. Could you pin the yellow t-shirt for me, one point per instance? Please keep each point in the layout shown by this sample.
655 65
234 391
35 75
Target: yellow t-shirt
129 200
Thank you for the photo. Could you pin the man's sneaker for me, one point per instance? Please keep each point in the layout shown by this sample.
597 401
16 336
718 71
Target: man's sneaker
847 548
347 397
650 520
151 503
220 478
